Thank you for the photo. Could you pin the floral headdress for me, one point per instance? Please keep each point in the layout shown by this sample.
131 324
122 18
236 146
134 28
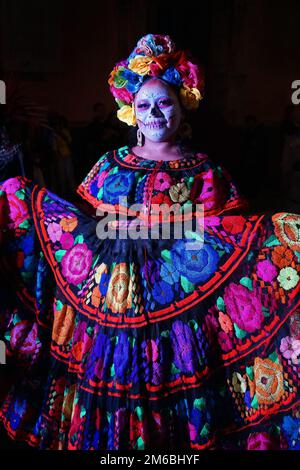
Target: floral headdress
155 55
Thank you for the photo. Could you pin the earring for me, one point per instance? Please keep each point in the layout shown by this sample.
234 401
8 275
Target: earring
139 136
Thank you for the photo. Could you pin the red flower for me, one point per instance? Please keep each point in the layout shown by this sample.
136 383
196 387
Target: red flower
234 224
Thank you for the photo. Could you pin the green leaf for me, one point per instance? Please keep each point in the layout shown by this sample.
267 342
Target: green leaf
174 369
247 282
297 253
139 412
25 224
221 304
254 403
59 305
112 370
186 284
274 357
266 312
59 255
205 430
140 445
194 325
166 255
249 371
239 333
272 241
165 334
200 403
20 194
78 239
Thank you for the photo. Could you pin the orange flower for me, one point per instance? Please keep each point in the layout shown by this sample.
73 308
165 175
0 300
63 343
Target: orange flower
286 227
268 378
282 256
63 326
96 297
67 406
68 225
225 322
119 292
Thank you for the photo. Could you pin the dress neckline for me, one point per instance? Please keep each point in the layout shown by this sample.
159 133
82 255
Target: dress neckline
126 157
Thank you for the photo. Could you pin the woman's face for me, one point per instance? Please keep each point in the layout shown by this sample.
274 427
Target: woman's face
157 110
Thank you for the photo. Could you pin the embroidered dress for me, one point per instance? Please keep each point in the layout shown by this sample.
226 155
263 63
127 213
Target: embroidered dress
126 343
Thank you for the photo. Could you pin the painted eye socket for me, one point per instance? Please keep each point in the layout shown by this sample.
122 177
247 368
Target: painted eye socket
142 105
165 102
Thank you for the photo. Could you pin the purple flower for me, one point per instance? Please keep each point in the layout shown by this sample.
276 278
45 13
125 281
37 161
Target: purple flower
162 292
183 346
224 341
76 263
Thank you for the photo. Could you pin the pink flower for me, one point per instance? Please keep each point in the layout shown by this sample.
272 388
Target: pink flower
260 441
190 74
162 181
76 263
266 270
67 240
18 210
11 185
224 341
244 307
122 94
290 349
54 231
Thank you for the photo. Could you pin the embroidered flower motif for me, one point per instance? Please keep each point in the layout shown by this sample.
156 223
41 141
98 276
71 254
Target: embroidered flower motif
244 308
68 225
179 192
268 377
162 292
288 278
266 270
290 349
18 211
239 383
225 322
282 256
24 337
76 263
195 265
63 325
66 240
183 344
96 297
287 229
117 186
234 224
11 185
54 231
162 181
224 341
261 441
119 292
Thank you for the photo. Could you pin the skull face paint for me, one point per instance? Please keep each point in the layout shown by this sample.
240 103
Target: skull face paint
157 110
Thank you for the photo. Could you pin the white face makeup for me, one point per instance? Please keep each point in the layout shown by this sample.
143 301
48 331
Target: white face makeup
157 110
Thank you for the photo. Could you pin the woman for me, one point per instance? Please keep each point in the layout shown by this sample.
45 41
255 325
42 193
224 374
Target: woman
140 342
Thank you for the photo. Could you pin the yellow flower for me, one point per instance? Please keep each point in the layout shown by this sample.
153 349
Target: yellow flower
190 97
140 64
127 114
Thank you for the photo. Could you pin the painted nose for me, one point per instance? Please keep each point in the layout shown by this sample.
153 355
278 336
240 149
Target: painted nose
155 111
